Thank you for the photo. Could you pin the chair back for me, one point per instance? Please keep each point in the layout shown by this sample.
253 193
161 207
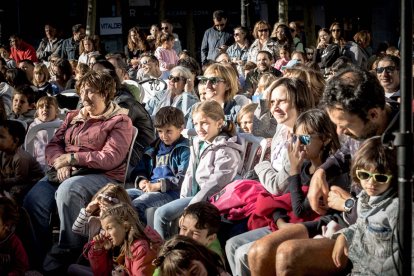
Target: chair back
50 127
131 149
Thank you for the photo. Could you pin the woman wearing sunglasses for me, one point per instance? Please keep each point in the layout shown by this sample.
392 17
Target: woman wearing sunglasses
179 93
221 85
263 42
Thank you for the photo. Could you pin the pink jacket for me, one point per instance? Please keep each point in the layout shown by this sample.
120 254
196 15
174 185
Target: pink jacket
100 143
140 264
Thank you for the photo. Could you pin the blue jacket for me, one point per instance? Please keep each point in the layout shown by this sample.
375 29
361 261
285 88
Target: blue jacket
212 40
69 49
178 163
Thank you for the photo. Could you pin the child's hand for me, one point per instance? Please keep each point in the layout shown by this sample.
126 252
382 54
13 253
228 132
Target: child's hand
102 241
296 155
142 184
340 249
92 206
189 85
152 187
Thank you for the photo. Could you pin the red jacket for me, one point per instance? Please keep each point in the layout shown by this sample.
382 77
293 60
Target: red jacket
265 205
25 51
13 257
140 264
100 143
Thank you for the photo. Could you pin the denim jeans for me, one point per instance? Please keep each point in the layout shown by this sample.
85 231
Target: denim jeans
167 213
69 197
238 247
141 200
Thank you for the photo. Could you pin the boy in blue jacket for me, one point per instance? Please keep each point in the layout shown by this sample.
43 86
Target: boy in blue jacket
160 173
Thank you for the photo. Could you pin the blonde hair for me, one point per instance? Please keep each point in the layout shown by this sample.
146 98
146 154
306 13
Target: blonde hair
229 74
114 191
126 215
41 67
249 108
214 111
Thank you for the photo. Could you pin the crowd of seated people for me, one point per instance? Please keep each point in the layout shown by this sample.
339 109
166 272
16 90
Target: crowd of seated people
70 207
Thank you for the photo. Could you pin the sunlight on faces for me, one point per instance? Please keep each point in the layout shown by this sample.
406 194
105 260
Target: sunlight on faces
92 101
351 125
47 113
216 91
314 148
114 230
389 80
188 228
262 61
20 104
372 187
169 134
207 129
281 108
246 122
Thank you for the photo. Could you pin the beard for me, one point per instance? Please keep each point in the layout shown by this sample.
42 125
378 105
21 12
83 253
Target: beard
370 129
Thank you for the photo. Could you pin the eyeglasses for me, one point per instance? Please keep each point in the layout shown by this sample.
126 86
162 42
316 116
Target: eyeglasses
175 79
219 25
304 139
212 80
263 30
378 177
335 30
388 69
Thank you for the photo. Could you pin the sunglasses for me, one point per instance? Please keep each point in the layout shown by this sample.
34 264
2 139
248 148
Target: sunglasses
335 30
304 139
388 69
263 30
145 62
108 199
212 80
175 79
378 177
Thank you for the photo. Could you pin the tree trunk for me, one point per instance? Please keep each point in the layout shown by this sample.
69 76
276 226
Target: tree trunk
283 11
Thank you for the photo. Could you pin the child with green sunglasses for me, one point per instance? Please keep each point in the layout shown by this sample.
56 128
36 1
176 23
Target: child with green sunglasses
371 244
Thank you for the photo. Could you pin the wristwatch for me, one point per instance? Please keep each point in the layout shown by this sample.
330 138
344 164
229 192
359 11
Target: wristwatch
349 204
72 161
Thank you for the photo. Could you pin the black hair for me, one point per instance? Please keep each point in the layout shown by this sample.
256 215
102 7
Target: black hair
16 129
355 91
206 214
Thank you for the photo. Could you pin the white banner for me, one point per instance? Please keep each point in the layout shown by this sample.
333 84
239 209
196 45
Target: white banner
110 25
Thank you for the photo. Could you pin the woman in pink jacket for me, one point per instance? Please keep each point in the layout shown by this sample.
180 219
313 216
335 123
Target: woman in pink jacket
88 151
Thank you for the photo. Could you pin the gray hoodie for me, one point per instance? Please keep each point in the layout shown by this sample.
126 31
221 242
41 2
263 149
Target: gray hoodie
218 165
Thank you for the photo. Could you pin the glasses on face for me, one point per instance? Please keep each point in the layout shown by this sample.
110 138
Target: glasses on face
387 69
304 139
212 80
335 30
175 79
263 30
143 62
381 178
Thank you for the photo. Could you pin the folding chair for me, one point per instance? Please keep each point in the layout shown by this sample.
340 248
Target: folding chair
50 128
131 148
